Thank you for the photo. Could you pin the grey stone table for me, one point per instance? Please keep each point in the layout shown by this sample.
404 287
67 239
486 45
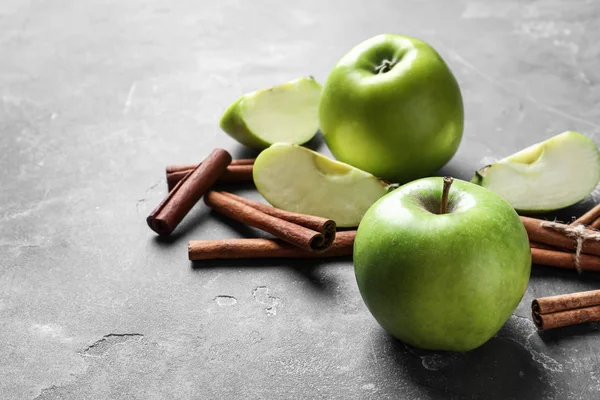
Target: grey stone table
98 96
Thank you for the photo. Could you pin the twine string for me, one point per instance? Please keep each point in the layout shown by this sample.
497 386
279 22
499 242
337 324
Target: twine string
576 232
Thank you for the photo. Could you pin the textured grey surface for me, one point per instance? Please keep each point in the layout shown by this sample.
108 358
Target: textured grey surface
98 96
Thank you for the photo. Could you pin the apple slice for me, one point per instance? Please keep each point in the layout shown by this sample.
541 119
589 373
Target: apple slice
285 113
294 178
549 175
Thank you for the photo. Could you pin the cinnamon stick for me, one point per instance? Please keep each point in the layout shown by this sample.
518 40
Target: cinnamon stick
189 167
237 174
233 174
563 310
179 201
295 234
589 217
552 237
595 224
265 248
562 259
326 226
535 245
174 177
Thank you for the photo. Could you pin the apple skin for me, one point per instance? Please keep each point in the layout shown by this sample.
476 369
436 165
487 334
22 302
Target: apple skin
233 124
442 282
399 125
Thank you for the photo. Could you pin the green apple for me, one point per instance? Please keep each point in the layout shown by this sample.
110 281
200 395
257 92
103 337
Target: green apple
284 113
392 107
546 176
442 280
297 179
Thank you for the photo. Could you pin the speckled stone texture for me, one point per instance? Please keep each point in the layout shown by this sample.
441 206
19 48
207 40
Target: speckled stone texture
97 97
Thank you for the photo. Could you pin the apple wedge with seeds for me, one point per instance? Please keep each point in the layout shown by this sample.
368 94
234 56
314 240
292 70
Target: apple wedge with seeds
546 176
285 113
297 179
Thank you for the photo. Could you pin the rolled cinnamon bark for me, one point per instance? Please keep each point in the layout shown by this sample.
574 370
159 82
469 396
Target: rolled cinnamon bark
233 174
179 201
173 178
189 167
563 259
326 226
595 224
566 318
569 309
549 236
589 217
295 234
237 174
563 302
535 245
265 248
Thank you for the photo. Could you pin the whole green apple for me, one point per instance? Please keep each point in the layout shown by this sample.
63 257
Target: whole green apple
392 107
442 279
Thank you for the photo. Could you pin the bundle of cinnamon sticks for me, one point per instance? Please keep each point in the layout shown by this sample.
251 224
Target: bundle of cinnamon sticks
574 246
296 235
564 310
563 246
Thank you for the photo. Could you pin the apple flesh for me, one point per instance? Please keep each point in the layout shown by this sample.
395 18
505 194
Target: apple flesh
297 179
392 107
546 176
285 113
442 281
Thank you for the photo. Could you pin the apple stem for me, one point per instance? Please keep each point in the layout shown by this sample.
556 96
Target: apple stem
444 204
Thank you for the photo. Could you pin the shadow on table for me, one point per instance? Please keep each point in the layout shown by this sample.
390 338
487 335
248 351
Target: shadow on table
588 278
500 369
308 269
316 142
242 151
568 214
194 220
574 333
